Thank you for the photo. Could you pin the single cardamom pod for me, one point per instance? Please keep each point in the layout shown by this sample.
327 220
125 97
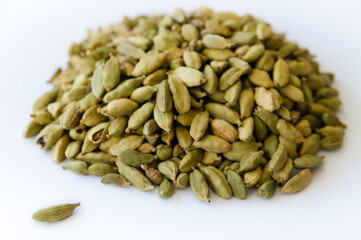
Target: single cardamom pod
48 136
165 189
164 152
115 179
260 78
308 161
298 182
245 132
134 176
181 181
289 132
135 158
130 142
58 151
140 116
123 90
281 73
152 174
163 120
267 189
101 169
72 150
55 213
251 178
143 94
199 125
32 129
192 60
250 161
180 93
149 63
212 143
190 160
164 99
266 99
211 159
111 73
77 166
169 169
45 99
96 157
229 77
211 84
217 181
224 129
236 183
217 110
199 185
311 145
183 136
119 108
279 158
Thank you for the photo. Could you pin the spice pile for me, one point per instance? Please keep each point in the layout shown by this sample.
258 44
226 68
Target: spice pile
200 99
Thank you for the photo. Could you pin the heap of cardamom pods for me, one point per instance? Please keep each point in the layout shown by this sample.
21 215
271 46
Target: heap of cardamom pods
200 99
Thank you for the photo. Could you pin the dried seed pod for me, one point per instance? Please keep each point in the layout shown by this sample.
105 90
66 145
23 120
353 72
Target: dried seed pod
134 176
217 180
180 93
199 185
212 143
55 213
101 169
267 189
236 183
77 166
165 189
199 125
298 182
115 179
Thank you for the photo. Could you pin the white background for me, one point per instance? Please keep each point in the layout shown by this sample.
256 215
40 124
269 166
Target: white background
34 38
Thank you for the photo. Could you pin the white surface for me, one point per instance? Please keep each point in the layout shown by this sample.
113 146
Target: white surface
35 36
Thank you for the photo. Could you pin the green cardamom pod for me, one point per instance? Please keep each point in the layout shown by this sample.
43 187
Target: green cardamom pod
115 179
298 182
101 169
181 181
180 93
135 158
164 99
267 189
149 63
77 166
236 183
212 143
169 169
165 189
308 161
123 90
199 185
55 213
134 176
217 181
190 160
199 125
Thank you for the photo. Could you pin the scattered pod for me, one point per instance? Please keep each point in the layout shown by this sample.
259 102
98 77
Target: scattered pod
55 213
